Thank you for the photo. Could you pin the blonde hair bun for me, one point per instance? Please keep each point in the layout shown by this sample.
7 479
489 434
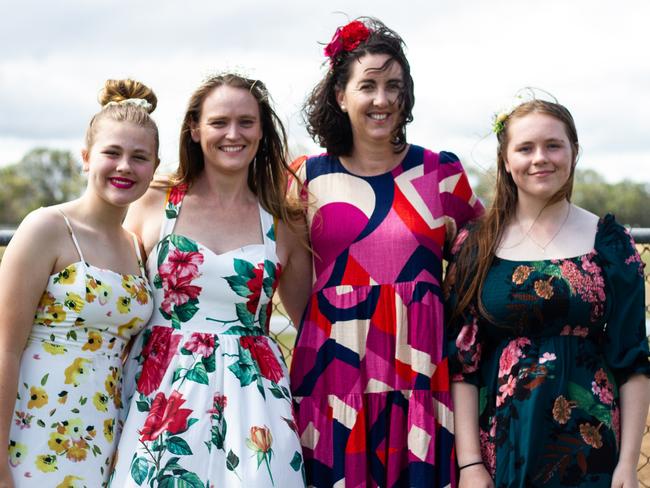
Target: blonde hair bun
120 90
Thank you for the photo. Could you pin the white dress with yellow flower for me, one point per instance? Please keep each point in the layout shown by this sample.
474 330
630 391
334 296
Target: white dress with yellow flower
69 389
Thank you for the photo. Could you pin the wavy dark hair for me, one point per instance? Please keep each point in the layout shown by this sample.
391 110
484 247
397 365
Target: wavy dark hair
268 173
326 123
477 252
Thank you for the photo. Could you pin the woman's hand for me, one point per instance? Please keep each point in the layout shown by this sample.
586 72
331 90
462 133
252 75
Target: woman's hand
625 476
475 477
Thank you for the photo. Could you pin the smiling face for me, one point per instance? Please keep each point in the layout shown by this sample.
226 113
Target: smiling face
229 129
371 98
121 161
539 155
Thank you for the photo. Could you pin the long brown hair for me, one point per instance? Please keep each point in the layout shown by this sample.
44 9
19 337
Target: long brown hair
477 252
268 173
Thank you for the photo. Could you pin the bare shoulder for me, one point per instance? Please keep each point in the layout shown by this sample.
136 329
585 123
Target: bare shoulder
584 219
38 238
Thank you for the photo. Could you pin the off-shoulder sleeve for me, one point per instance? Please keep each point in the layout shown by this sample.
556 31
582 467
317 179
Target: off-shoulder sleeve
459 203
626 343
464 336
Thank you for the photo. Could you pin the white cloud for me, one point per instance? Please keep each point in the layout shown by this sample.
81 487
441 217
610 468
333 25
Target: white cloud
468 59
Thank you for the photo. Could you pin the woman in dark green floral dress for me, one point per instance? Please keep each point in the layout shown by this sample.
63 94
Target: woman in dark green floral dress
548 347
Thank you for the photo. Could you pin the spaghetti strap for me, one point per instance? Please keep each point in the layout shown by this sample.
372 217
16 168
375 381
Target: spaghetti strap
136 244
74 238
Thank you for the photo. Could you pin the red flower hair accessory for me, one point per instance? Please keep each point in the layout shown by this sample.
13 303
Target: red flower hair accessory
346 39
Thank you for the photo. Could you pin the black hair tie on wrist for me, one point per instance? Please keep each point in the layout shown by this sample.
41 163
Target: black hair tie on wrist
470 464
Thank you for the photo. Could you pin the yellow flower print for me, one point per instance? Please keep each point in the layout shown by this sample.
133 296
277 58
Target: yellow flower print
96 289
100 400
53 313
78 451
129 285
37 397
129 327
54 349
124 304
58 442
69 482
93 342
47 299
67 276
63 397
17 453
73 428
142 295
75 371
46 463
91 289
74 302
104 293
109 429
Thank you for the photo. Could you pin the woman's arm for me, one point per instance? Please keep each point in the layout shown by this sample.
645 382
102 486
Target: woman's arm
635 399
296 279
466 431
24 271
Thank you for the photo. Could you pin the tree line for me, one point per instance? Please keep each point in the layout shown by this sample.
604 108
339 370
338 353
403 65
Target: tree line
46 176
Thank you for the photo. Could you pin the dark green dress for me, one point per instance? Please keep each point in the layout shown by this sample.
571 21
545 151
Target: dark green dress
567 333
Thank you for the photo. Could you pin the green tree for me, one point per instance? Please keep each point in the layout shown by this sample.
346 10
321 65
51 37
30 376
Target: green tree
628 200
42 177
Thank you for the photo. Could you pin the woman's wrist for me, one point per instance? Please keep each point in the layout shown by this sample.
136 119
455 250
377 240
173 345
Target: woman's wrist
473 463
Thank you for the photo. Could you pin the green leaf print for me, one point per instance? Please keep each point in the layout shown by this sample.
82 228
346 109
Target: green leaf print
240 330
262 318
186 311
581 396
172 464
244 369
244 268
189 480
183 243
232 461
163 250
238 284
177 445
44 379
139 469
143 403
276 392
296 461
157 281
166 481
209 362
198 374
171 213
244 315
271 233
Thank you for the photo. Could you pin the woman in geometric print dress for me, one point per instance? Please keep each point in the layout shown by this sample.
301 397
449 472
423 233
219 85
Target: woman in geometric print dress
72 294
212 405
369 373
548 345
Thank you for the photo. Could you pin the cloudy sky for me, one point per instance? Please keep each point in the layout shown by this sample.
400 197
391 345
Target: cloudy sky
468 60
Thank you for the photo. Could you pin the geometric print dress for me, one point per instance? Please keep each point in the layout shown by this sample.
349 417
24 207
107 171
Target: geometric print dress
369 374
563 336
211 406
63 430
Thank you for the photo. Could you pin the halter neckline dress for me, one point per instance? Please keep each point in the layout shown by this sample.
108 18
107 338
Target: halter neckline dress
212 405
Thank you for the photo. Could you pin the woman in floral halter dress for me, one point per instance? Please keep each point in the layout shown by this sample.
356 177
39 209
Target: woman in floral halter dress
212 405
73 293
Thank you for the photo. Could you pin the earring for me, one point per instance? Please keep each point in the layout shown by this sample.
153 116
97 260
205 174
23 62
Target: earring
343 109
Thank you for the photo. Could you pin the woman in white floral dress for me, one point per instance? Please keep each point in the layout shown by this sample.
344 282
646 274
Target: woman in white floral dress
72 294
212 405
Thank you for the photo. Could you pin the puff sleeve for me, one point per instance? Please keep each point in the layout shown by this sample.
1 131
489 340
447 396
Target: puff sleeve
626 344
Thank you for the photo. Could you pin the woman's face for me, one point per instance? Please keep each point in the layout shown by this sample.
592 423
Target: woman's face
371 98
121 161
229 129
539 155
